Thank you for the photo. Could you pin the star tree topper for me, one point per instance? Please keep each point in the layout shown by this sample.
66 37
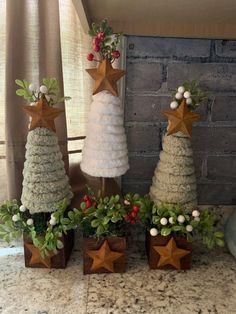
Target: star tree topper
42 115
104 257
105 77
170 254
181 120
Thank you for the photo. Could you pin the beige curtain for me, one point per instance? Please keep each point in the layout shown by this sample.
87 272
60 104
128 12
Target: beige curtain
33 51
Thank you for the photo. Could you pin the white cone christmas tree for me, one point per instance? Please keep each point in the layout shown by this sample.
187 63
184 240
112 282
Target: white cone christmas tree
174 180
45 182
105 150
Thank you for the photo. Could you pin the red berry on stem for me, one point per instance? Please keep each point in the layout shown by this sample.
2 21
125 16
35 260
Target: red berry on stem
101 36
96 48
132 221
90 57
86 197
88 204
115 54
135 208
96 41
133 214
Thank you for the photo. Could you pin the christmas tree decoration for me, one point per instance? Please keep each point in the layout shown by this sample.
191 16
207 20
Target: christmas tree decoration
174 178
105 153
105 77
191 93
104 257
45 182
171 229
170 254
103 221
181 120
46 188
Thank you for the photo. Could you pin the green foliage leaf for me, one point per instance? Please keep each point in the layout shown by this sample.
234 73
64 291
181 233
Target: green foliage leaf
165 231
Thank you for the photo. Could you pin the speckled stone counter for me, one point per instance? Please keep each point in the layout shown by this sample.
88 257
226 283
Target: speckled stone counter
209 287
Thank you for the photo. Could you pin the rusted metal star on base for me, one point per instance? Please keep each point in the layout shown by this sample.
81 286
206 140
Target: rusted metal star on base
105 77
181 120
104 257
36 257
170 254
42 115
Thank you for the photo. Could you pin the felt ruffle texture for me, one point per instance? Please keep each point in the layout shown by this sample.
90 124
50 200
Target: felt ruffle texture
45 181
105 148
174 179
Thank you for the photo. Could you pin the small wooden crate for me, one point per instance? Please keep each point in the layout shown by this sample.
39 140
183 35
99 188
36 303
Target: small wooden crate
116 244
159 240
57 261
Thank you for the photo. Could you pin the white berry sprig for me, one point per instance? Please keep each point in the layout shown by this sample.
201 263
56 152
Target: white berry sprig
191 93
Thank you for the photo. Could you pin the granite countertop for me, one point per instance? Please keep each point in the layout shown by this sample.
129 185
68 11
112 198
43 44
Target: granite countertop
209 287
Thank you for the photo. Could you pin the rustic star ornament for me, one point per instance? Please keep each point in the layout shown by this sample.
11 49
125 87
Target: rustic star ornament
36 257
43 115
170 254
104 257
181 120
105 77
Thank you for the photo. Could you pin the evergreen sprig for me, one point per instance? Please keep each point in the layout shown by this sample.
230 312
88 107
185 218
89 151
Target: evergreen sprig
53 91
46 240
103 217
151 214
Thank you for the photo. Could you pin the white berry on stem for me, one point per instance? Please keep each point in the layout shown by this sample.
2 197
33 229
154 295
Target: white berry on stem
153 232
52 222
187 95
197 218
163 221
181 219
43 89
189 228
22 208
174 104
189 101
195 213
15 218
30 222
171 220
178 96
181 89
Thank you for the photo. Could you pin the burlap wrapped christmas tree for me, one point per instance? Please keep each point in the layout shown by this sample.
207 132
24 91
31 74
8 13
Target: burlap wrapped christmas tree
45 183
174 180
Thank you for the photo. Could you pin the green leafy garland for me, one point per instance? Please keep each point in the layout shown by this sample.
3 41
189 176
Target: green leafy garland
49 89
166 219
16 221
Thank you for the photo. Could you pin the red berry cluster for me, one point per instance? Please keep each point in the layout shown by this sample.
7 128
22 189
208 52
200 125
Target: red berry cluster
132 216
89 202
97 41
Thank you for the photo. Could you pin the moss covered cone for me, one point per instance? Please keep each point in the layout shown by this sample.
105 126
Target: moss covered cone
174 179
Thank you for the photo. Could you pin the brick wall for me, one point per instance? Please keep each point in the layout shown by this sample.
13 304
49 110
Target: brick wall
155 66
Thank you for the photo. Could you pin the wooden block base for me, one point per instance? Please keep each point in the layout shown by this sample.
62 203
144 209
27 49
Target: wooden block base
115 245
154 257
33 258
